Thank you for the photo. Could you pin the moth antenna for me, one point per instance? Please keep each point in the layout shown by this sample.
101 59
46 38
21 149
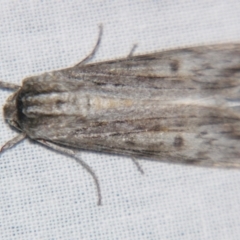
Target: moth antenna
10 86
13 142
72 154
91 55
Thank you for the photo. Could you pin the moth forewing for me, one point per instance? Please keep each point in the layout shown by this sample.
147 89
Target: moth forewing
179 106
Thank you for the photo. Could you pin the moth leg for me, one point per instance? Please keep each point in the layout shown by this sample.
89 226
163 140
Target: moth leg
13 142
72 154
10 86
91 55
139 168
132 51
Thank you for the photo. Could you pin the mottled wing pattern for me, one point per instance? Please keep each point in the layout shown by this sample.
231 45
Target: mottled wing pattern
180 105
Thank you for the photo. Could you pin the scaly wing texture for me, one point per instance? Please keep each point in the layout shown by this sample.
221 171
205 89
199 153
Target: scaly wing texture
180 105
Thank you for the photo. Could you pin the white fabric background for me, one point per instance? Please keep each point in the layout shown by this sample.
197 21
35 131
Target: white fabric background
44 195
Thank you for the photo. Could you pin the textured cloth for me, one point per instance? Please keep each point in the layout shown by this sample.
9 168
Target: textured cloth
45 195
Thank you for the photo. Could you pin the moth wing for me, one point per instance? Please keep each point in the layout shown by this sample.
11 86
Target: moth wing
216 65
181 106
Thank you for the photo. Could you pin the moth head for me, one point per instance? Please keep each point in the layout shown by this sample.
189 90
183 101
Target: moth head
11 112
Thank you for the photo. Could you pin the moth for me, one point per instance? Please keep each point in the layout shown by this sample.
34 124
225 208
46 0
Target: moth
180 106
